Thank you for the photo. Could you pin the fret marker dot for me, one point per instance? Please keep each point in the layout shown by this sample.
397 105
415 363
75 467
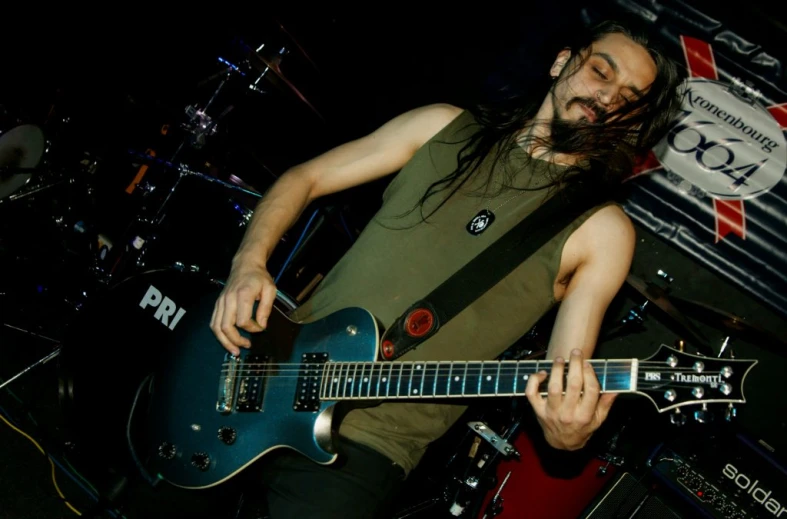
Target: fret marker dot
524 377
456 379
385 379
418 367
349 380
415 391
336 381
488 377
366 379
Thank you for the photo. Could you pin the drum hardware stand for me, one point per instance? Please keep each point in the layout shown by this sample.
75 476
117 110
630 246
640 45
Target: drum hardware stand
40 361
156 220
609 457
493 438
495 506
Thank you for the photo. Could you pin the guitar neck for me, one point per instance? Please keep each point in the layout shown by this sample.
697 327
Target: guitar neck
454 379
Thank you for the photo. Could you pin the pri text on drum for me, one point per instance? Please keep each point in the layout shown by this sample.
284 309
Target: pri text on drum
166 307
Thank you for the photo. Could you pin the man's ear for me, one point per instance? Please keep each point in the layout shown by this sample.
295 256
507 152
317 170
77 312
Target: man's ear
560 62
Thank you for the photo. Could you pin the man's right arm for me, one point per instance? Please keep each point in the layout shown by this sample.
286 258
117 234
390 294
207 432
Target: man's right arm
380 153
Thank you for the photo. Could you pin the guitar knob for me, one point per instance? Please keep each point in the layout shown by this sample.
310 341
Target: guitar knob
703 415
200 460
677 418
166 450
730 413
227 435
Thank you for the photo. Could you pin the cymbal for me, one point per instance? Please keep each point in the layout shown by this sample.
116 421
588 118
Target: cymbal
658 296
20 147
265 61
734 325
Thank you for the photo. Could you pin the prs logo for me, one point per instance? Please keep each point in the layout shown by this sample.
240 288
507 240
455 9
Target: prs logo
165 307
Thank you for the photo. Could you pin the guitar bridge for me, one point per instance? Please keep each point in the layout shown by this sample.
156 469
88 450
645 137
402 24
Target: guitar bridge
307 388
227 382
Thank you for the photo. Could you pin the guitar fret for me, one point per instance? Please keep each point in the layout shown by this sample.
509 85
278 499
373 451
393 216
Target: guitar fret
604 385
329 387
487 379
497 379
363 380
516 378
450 377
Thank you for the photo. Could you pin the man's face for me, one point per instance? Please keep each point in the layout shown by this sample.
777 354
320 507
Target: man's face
616 71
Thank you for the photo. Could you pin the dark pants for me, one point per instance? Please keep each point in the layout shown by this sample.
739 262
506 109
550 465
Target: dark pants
361 483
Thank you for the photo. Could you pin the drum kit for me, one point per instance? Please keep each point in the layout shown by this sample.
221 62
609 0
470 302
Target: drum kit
177 220
175 226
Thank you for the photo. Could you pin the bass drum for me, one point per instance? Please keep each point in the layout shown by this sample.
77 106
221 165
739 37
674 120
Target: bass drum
110 349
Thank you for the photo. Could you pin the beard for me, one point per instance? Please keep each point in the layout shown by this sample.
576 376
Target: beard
571 136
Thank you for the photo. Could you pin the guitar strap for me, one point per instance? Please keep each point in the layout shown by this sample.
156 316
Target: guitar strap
425 317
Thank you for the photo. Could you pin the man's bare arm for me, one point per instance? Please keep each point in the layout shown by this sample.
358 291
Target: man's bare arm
382 152
569 419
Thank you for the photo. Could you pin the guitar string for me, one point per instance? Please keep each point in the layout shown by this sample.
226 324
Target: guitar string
641 382
470 370
447 362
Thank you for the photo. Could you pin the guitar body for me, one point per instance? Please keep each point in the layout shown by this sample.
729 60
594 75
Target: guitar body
210 416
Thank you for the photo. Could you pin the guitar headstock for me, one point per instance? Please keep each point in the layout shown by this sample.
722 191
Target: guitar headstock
673 379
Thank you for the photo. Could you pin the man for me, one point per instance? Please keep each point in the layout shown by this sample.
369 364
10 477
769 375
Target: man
465 177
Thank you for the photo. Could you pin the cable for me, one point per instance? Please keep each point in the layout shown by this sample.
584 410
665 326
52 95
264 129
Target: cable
54 479
346 227
80 476
297 244
92 491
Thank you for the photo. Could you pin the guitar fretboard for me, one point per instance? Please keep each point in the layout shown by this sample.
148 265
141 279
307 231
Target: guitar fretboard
446 379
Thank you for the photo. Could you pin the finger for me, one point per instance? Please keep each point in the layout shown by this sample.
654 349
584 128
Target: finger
228 322
266 304
216 327
533 394
574 381
246 298
555 387
587 407
213 316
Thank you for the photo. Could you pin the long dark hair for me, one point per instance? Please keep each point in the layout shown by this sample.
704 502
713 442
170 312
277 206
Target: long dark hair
609 147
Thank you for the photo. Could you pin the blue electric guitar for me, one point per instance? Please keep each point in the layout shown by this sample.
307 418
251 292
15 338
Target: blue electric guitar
211 415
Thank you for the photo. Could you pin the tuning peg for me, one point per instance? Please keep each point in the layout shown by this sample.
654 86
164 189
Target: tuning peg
665 276
677 418
730 413
703 415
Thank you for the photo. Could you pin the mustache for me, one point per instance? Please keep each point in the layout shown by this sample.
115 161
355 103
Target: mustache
591 104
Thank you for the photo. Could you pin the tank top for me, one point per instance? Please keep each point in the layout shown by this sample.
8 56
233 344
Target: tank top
398 259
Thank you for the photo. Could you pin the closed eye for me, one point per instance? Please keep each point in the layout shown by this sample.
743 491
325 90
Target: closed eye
597 71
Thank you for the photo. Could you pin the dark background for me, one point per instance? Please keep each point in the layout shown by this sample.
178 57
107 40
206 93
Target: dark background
117 78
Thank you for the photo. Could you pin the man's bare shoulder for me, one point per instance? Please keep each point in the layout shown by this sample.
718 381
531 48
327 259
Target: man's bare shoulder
609 237
432 118
611 221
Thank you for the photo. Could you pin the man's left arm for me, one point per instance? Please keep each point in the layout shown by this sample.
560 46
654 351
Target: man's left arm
570 415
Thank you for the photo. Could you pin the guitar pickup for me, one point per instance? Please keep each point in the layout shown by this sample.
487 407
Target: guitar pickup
307 388
251 383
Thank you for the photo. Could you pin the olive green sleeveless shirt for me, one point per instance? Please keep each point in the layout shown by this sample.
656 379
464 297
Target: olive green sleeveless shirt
397 260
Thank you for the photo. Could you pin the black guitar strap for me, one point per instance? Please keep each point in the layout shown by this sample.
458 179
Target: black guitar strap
425 317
